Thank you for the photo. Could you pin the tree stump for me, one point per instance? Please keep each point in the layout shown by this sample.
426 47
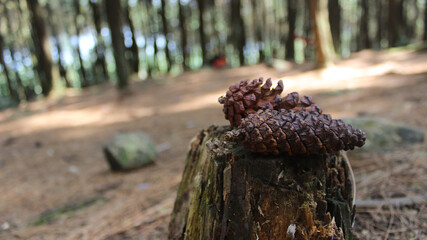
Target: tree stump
231 193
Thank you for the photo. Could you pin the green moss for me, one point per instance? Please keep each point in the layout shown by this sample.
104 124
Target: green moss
50 215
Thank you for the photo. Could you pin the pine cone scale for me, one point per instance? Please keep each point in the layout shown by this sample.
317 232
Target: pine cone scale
273 132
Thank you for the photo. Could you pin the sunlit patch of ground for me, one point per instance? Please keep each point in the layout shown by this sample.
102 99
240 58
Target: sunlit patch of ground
51 151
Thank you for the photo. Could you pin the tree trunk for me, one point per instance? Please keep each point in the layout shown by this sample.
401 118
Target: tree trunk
115 23
84 81
154 29
334 8
410 22
234 194
20 88
392 23
425 21
100 46
165 33
202 34
183 34
55 33
41 44
238 30
308 50
134 59
258 10
364 41
292 16
402 39
10 86
322 32
217 48
30 93
380 16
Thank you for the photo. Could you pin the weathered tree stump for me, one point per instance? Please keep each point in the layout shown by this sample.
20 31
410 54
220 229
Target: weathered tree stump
236 194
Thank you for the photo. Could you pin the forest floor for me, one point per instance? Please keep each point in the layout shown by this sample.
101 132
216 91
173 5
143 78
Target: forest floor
56 184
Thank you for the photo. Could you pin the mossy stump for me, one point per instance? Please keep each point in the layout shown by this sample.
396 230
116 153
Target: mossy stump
236 194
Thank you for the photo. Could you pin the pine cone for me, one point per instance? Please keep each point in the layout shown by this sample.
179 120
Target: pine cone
295 132
248 97
293 101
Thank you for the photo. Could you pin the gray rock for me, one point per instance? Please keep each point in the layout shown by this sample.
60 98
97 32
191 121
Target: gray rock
383 135
6 103
130 151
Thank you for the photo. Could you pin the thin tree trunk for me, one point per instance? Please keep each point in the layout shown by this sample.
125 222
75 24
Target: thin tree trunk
364 41
154 30
425 21
392 23
30 93
100 46
53 27
20 88
275 32
183 33
146 22
41 44
322 32
401 23
411 19
115 23
165 33
238 30
134 60
84 81
10 85
202 34
62 69
258 10
214 13
335 22
380 16
307 31
292 16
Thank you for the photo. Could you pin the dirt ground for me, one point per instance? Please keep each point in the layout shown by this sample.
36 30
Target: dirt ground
56 184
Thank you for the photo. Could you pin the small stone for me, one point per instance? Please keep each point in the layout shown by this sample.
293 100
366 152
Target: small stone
143 186
5 226
130 151
163 147
38 144
190 124
73 169
384 135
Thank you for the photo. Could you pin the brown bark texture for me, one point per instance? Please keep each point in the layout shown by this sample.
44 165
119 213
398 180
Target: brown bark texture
292 18
183 34
228 192
324 48
334 9
100 46
238 36
115 23
425 21
41 44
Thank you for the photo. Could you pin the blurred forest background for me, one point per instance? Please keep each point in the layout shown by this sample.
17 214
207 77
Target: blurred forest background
59 44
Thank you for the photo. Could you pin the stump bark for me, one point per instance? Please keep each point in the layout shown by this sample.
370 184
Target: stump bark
231 193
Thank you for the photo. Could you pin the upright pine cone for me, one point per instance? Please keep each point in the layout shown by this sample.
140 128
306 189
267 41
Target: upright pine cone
248 97
295 132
